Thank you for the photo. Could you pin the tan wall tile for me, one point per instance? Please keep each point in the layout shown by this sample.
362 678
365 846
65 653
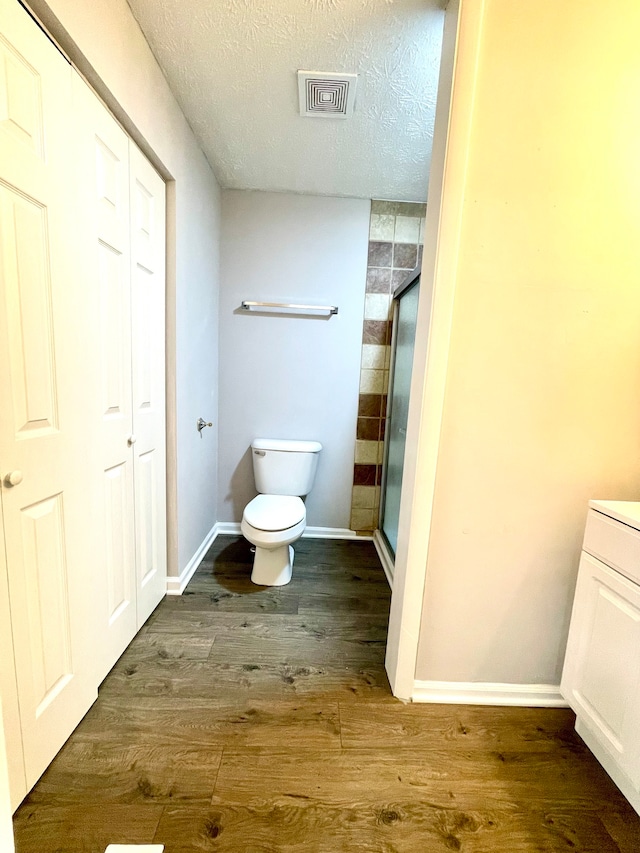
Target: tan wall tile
364 497
373 356
398 208
376 306
367 452
382 227
361 519
371 381
407 229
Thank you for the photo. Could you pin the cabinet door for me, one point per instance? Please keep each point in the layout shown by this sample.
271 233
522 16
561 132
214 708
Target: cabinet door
42 437
148 359
104 258
602 667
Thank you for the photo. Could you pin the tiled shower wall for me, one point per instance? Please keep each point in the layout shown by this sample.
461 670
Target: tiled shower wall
395 248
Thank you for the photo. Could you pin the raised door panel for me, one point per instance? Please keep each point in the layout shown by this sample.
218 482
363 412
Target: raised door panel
27 291
21 105
48 623
148 359
103 155
111 278
118 554
601 676
42 435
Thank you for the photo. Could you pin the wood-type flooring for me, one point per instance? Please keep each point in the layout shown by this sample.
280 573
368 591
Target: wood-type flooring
245 719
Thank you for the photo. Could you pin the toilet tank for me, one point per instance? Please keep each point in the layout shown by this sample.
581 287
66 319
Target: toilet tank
283 467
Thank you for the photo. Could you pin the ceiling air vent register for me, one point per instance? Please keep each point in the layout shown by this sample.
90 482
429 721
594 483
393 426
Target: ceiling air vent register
325 94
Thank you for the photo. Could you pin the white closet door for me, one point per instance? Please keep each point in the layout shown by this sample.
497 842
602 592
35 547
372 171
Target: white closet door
147 193
103 196
42 442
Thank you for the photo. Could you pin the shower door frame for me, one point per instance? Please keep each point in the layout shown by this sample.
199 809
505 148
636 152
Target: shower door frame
412 280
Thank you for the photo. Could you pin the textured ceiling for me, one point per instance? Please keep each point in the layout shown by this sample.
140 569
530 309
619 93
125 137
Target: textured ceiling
232 65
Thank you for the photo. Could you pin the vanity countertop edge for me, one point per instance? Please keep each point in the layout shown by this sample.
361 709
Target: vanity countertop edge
628 512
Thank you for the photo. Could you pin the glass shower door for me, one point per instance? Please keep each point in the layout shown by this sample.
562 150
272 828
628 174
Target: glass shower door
404 322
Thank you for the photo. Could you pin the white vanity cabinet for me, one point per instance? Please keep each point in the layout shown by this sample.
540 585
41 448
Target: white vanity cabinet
601 677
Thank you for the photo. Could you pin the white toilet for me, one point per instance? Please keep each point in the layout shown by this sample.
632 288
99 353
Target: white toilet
284 472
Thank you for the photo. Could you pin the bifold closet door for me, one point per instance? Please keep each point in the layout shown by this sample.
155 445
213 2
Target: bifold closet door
105 261
123 260
43 441
147 194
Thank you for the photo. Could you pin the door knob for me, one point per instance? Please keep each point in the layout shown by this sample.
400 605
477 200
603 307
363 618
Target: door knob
131 440
13 478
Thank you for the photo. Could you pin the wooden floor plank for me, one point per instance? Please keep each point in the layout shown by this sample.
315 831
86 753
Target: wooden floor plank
242 649
323 603
362 628
463 726
255 719
442 777
108 772
200 723
298 826
224 601
223 683
151 647
83 827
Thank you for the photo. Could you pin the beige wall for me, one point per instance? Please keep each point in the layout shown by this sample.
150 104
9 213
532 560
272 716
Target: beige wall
542 403
105 42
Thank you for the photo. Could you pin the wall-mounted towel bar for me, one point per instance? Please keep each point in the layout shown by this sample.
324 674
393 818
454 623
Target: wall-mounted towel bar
289 306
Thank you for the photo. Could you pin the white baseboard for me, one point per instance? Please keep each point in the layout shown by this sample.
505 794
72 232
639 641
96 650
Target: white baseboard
175 586
228 528
384 556
333 533
484 693
233 528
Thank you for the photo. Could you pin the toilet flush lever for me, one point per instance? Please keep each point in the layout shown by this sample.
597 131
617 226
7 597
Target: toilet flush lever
201 424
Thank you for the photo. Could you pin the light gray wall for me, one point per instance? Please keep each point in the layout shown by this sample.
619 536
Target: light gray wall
291 377
105 42
196 369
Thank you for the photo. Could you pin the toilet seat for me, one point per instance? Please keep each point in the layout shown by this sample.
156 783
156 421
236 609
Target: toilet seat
274 513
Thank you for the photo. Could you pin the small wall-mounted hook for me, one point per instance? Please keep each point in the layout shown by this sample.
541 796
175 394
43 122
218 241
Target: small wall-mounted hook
201 424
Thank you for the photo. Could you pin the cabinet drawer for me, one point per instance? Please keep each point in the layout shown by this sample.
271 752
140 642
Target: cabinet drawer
613 543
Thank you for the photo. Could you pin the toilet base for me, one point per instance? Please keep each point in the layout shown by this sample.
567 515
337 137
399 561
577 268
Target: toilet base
272 567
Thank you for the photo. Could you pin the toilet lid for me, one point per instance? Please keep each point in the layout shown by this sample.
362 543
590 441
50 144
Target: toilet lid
274 512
